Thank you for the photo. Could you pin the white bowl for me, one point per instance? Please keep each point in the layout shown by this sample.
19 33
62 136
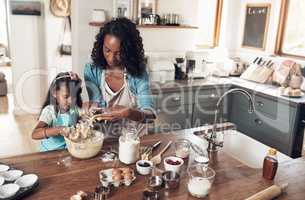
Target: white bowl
88 148
174 168
27 180
12 175
8 190
4 168
1 180
144 170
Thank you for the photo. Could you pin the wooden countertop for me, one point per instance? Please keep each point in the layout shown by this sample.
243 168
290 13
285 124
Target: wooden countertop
233 180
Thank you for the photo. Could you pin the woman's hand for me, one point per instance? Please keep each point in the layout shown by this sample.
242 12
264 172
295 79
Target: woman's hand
115 113
89 107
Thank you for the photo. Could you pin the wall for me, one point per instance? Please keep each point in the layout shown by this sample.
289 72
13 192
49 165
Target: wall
232 30
194 12
35 57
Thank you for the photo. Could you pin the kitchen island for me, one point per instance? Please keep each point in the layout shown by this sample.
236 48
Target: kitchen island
234 179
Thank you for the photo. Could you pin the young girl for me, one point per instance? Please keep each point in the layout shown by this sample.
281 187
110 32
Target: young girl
59 111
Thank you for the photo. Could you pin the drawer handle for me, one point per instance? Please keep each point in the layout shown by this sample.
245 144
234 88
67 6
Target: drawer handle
176 98
258 121
212 96
260 104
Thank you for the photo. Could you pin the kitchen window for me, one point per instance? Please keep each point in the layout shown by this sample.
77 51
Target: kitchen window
291 34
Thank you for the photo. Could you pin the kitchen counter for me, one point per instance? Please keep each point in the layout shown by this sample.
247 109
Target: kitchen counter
271 91
234 180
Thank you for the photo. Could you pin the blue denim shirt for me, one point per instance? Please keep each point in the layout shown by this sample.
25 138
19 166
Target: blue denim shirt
139 86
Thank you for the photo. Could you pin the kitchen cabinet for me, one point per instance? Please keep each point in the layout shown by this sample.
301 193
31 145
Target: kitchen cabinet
174 111
205 101
275 123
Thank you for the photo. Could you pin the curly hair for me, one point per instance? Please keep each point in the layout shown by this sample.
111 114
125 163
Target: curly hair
131 52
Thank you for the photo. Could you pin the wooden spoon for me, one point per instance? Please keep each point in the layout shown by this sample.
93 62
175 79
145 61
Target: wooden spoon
157 158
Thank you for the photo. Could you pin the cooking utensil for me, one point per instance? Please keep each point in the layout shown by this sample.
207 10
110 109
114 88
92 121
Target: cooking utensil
157 159
148 150
155 183
171 179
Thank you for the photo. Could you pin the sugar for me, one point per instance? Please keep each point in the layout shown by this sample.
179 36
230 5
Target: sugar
199 187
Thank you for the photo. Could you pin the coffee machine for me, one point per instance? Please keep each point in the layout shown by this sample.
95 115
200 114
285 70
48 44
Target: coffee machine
196 62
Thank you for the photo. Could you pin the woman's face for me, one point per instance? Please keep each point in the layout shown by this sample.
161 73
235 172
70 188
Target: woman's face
111 51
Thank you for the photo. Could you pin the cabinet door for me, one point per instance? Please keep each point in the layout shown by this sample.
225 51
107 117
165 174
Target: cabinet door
205 106
273 127
172 118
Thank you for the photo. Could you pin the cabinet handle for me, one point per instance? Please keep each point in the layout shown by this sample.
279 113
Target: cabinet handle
258 121
176 98
260 104
212 96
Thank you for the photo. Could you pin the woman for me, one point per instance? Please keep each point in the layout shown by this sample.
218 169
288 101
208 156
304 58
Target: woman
117 79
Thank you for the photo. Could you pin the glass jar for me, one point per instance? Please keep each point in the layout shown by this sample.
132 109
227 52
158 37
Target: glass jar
182 148
200 181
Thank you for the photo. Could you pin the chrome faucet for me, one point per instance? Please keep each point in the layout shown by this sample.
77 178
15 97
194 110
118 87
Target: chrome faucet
213 143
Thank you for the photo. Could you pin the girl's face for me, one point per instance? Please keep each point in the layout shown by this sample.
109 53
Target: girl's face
63 98
111 51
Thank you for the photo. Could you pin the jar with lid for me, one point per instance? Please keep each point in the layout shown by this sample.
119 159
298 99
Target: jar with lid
270 164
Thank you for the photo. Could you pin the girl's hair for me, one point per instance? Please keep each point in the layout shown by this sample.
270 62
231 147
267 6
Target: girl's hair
131 52
74 87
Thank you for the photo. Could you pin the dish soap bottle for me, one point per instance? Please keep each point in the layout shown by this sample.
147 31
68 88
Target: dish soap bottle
270 165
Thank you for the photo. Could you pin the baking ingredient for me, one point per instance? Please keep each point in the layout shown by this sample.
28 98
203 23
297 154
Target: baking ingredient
199 187
129 149
270 165
183 152
144 164
172 162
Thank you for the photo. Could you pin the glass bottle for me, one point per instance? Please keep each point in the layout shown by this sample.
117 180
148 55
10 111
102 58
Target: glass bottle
270 165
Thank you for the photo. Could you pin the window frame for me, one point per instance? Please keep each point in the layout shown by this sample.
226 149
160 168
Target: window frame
281 32
217 23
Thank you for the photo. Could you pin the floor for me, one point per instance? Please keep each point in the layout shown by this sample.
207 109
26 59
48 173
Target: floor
7 70
15 131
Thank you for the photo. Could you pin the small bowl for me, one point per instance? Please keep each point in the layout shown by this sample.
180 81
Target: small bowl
171 167
4 168
27 180
144 170
2 180
8 190
155 183
12 175
171 179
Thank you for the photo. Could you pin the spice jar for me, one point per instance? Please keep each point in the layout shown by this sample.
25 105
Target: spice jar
270 165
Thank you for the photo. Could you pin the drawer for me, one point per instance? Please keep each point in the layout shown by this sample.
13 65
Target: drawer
173 118
208 95
266 106
204 114
173 99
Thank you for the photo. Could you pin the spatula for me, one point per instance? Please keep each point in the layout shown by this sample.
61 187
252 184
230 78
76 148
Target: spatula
157 158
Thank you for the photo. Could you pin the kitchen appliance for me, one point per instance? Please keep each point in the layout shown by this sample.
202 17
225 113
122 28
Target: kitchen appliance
98 15
161 70
196 63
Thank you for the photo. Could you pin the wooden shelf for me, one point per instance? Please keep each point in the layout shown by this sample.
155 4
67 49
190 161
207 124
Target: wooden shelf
167 26
150 26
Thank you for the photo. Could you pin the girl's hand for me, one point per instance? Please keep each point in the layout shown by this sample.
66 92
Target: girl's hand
65 131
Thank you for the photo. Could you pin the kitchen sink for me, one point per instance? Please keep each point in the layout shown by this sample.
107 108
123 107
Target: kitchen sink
246 149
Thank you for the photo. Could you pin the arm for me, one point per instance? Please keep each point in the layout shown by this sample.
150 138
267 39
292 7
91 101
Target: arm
92 80
42 131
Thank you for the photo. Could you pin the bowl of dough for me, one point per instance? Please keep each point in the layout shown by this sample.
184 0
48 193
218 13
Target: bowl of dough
83 142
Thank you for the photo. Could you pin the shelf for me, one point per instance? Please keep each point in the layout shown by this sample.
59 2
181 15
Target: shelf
98 24
167 26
